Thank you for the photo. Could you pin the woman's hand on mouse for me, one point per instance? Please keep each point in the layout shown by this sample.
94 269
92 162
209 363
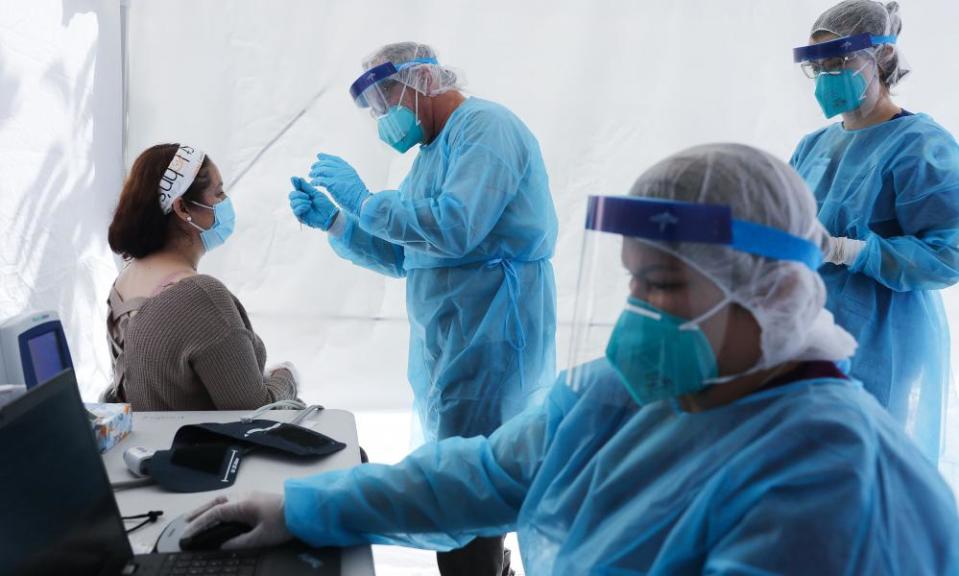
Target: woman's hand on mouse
262 511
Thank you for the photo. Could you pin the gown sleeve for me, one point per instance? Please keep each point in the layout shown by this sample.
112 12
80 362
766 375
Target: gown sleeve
926 256
439 497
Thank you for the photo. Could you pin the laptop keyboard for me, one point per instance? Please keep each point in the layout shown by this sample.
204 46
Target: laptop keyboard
240 563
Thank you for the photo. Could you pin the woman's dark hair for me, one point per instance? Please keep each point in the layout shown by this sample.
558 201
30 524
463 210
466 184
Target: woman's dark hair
139 227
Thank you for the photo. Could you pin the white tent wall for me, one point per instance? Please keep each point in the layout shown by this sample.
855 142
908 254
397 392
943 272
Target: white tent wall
60 167
608 88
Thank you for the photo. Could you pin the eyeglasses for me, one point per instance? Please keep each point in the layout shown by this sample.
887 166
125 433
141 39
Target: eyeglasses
812 69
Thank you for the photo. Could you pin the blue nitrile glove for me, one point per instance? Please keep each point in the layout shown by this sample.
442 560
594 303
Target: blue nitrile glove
311 206
341 180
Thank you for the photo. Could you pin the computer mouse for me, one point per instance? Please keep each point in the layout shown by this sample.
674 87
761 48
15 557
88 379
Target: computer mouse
214 536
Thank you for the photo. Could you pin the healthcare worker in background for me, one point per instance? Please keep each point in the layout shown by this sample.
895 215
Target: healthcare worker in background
887 185
472 228
704 428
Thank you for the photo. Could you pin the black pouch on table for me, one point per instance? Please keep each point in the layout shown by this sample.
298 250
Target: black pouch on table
207 456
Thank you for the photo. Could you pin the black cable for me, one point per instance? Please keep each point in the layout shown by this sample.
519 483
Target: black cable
150 517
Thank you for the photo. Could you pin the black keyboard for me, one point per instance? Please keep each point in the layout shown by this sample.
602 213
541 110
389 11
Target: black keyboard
213 563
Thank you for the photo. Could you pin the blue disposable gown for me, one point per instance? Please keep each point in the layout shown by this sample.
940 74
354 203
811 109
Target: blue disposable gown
895 186
472 227
811 477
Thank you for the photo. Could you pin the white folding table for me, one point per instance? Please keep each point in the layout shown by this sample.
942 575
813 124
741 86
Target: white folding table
258 471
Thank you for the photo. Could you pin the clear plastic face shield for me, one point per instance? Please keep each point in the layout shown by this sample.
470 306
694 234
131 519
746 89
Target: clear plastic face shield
378 90
650 302
846 71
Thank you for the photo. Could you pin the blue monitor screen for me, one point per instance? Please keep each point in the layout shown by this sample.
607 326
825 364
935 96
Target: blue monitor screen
45 356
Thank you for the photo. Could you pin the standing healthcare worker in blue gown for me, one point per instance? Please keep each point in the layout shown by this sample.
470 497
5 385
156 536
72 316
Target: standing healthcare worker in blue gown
887 185
472 228
704 429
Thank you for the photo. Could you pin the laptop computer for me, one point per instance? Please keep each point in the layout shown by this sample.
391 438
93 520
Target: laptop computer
58 514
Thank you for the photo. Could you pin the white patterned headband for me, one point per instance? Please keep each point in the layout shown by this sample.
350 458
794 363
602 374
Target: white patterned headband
179 175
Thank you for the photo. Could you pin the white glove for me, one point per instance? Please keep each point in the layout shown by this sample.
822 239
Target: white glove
843 251
286 366
262 511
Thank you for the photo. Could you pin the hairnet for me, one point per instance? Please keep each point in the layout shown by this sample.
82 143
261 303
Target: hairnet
852 17
786 298
428 79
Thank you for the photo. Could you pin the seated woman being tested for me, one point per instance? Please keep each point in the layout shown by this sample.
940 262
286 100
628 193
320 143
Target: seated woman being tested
181 340
703 428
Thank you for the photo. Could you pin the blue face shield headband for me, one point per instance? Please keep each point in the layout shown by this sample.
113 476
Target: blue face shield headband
669 221
839 47
364 89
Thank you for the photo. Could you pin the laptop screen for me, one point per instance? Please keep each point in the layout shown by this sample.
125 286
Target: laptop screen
57 511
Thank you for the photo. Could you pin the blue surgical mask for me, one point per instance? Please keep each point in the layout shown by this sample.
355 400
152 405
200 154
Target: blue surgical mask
658 355
840 92
224 221
399 127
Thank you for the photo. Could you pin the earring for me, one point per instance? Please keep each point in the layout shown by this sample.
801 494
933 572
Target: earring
189 218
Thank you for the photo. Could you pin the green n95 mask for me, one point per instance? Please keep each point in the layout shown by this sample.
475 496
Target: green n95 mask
658 355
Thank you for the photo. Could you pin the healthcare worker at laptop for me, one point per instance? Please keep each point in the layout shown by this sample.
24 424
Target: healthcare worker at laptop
472 228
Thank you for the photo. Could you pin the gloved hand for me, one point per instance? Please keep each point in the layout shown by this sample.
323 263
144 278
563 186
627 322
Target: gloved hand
843 251
310 206
262 511
342 181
